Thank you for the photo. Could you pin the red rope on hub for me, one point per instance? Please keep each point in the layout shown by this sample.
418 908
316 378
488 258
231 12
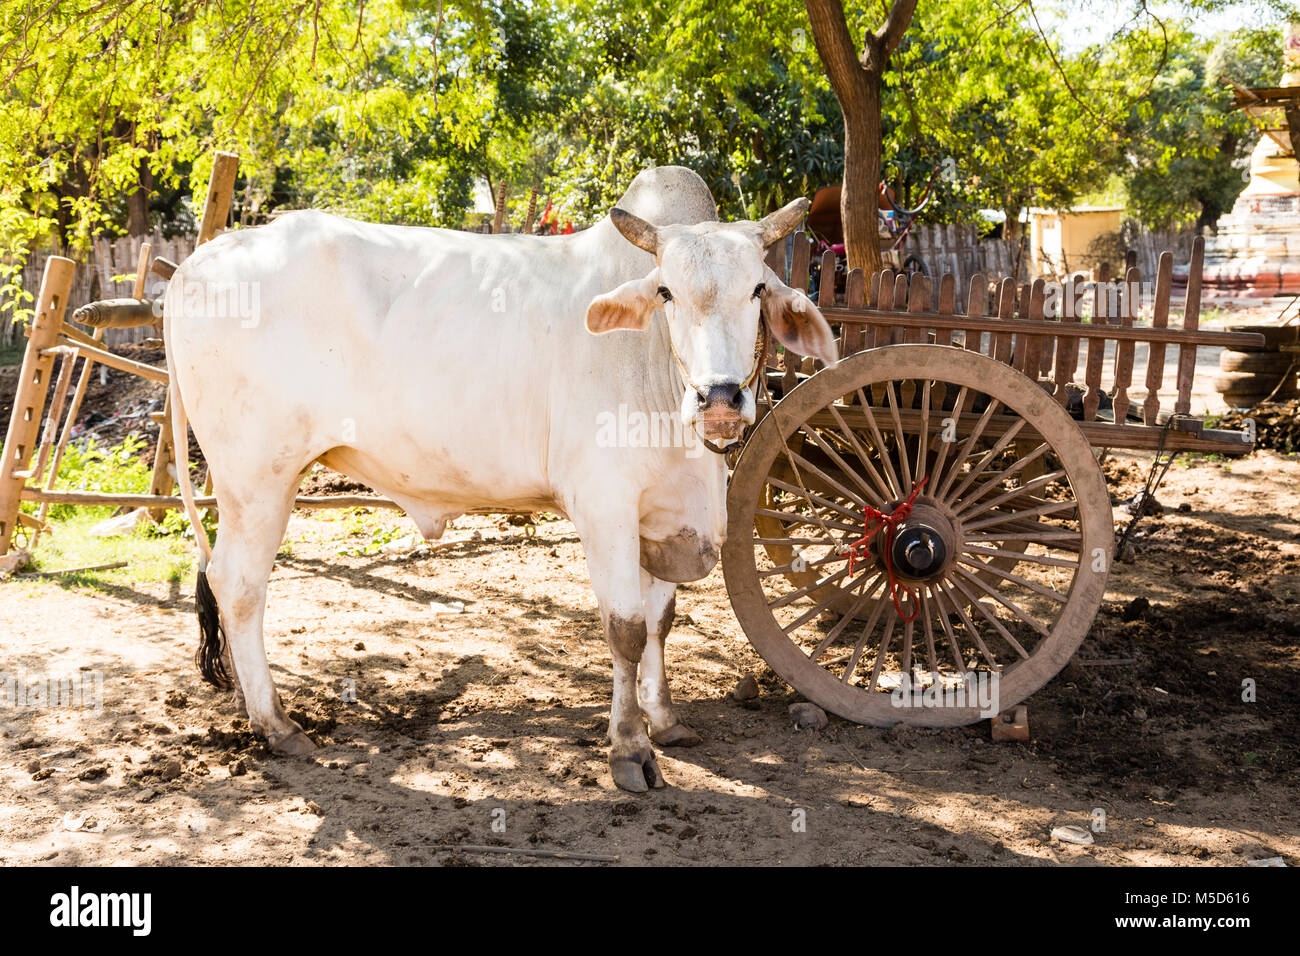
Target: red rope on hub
889 522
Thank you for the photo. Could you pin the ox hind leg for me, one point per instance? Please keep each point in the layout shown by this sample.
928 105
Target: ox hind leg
613 560
249 533
666 728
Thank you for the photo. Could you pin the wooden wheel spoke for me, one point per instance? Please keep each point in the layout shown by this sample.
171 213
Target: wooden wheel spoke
789 568
1043 559
1034 586
909 630
795 519
923 438
973 630
966 447
796 594
941 460
813 469
815 499
1016 492
1004 517
1072 537
992 619
888 459
927 625
946 624
844 466
881 650
905 468
1006 602
998 448
1016 466
820 606
863 455
872 590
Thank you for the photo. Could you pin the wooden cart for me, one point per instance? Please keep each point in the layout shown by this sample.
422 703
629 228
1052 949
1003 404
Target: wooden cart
922 532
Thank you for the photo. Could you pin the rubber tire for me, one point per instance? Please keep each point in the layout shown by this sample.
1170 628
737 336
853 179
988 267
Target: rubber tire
1269 363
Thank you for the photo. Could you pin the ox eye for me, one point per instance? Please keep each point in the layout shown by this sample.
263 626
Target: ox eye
759 289
665 294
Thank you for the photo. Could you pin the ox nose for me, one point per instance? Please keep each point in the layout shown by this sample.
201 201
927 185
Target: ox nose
722 396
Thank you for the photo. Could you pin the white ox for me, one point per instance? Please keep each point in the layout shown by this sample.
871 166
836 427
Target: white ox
453 371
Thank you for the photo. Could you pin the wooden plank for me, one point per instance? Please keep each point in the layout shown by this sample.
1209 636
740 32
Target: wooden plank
918 301
947 306
933 320
1097 347
1001 346
1029 351
121 363
1125 349
977 304
1191 321
1156 353
33 385
154 502
854 338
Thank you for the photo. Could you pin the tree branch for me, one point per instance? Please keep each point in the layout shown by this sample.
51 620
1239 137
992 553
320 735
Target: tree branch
891 34
834 45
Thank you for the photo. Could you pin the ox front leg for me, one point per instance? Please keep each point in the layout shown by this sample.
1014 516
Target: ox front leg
666 727
613 560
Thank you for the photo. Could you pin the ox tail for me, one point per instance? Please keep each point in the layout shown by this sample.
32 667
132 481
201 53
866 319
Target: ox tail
211 653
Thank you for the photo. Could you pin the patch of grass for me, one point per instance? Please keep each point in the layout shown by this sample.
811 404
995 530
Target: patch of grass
154 553
12 354
149 556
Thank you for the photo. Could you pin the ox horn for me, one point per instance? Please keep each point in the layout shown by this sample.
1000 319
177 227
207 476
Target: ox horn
781 223
636 230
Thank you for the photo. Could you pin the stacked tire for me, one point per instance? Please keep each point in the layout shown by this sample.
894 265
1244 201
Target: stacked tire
1251 376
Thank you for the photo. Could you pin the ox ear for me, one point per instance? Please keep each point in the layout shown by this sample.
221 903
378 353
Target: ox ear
796 322
627 307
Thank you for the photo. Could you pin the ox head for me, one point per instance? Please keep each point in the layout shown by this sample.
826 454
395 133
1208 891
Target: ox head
715 290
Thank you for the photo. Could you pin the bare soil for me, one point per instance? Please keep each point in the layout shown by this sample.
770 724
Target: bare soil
498 715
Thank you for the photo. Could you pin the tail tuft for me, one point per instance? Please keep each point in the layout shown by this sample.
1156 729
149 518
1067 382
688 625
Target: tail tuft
210 657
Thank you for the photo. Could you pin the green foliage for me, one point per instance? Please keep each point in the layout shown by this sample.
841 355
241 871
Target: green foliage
1187 150
92 467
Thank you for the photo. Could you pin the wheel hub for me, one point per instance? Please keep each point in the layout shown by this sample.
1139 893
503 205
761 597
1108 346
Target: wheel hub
924 542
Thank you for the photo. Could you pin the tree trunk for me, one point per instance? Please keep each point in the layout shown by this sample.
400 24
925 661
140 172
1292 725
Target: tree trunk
137 203
856 79
858 199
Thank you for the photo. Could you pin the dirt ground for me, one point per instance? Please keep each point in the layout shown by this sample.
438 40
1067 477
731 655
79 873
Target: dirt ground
497 715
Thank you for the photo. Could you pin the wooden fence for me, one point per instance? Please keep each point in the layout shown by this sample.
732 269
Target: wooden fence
94 279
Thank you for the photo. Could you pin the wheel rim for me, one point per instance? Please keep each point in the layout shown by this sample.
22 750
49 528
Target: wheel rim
850 436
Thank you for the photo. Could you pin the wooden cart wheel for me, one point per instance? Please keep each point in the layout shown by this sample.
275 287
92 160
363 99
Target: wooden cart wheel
839 638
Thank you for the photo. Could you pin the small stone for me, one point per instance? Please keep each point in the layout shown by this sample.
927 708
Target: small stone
33 766
93 773
314 807
1135 609
746 688
171 769
358 646
808 716
1072 834
1184 507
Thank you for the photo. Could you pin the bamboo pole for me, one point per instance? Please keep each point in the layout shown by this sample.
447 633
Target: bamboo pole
83 383
33 386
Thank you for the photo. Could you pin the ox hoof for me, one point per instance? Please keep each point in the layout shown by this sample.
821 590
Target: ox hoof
293 744
678 735
637 773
